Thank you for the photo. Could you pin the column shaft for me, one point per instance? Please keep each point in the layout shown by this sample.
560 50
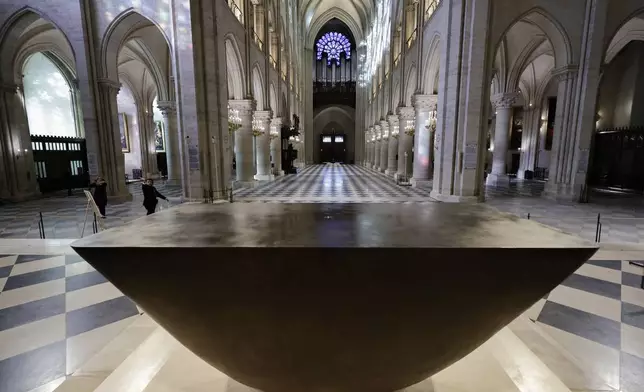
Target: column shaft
384 146
244 140
276 146
112 161
262 144
423 104
405 143
16 149
168 109
378 145
392 155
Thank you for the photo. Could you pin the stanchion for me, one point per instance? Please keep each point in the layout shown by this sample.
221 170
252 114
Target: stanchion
41 227
598 230
528 216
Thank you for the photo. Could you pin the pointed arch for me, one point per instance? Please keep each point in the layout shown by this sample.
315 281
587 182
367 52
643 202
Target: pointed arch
432 61
10 33
396 96
410 85
258 88
115 37
234 68
553 30
272 98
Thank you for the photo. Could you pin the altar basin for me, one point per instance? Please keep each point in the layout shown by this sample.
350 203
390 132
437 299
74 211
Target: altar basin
333 297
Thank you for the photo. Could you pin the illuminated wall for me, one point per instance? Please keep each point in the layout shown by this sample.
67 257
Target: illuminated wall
47 98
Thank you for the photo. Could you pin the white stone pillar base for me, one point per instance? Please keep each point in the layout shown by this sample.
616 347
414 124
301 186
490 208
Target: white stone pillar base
264 177
494 179
453 198
390 173
420 182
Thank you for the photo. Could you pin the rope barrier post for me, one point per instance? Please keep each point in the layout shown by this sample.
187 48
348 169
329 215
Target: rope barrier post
41 227
528 216
598 230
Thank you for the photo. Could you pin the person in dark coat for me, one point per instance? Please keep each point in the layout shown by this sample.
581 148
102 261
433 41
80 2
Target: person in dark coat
150 195
100 194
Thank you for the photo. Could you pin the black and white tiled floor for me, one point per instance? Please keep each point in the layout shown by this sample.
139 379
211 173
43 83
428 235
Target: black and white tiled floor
63 216
334 183
622 216
56 312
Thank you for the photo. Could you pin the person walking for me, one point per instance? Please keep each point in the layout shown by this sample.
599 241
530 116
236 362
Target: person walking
150 195
100 194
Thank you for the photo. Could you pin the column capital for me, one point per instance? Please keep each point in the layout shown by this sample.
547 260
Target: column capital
393 119
277 122
406 113
9 88
566 72
505 100
245 107
263 115
384 126
109 84
167 107
424 102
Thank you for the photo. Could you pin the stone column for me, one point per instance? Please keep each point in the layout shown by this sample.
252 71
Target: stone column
576 108
529 140
262 144
377 147
276 146
369 147
423 104
503 104
17 164
392 155
147 142
112 161
169 112
244 139
384 146
405 142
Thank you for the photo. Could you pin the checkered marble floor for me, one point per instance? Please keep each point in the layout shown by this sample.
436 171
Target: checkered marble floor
56 312
334 183
622 217
63 216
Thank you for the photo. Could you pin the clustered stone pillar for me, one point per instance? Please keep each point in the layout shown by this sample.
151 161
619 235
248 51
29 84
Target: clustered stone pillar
244 139
112 161
276 146
384 145
16 156
423 104
405 142
392 155
147 142
262 143
529 140
173 157
370 147
503 104
377 145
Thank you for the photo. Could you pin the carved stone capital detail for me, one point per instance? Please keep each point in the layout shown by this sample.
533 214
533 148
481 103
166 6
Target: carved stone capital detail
244 107
277 122
263 115
109 84
9 88
406 113
505 100
393 119
565 73
167 107
425 102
